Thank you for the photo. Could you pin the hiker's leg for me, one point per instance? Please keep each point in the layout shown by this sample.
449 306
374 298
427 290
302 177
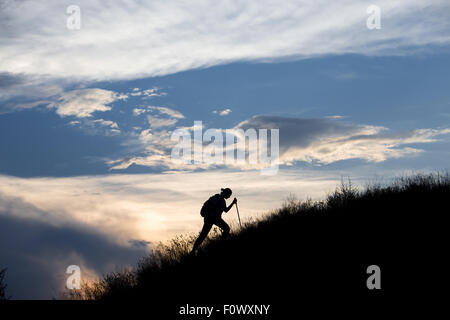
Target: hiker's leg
205 230
224 226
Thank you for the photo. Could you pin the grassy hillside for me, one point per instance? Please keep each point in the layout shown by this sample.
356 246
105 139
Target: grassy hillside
305 250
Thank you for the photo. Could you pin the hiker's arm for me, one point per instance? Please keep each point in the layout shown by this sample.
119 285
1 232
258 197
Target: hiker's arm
231 205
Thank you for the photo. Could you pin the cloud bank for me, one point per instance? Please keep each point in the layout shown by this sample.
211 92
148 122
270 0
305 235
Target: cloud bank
37 251
327 140
140 38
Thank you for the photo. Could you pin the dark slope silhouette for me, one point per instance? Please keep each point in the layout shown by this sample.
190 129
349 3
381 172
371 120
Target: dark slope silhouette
306 251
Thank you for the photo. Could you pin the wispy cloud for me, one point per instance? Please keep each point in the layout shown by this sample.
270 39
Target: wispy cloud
84 102
157 122
139 111
167 111
97 127
159 37
224 112
107 123
171 113
318 141
147 93
167 117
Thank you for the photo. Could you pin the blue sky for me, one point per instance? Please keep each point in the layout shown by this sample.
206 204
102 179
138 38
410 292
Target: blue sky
401 93
86 116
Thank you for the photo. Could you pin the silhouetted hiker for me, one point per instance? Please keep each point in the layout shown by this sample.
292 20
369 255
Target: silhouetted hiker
212 213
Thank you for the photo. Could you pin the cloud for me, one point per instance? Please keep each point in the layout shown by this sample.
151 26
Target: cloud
97 127
171 113
148 207
20 92
107 123
140 243
326 140
148 93
318 141
74 123
19 85
37 251
154 145
153 92
224 112
145 39
139 111
167 111
157 122
83 103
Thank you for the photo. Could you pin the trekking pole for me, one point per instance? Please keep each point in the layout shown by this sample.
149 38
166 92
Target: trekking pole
238 215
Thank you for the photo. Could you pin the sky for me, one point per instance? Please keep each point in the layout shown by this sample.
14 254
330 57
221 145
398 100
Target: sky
87 113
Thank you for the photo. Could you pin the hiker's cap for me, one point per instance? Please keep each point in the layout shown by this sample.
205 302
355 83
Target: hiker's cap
226 191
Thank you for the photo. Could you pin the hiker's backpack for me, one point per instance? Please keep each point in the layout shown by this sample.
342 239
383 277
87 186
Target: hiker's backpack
207 207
